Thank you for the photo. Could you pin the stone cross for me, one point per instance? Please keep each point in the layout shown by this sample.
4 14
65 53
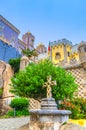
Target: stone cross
48 85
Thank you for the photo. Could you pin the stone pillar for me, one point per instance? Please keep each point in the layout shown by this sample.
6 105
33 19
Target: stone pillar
23 62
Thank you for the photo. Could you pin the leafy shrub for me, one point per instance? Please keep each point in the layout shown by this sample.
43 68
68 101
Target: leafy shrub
23 112
10 113
18 113
19 103
77 106
15 64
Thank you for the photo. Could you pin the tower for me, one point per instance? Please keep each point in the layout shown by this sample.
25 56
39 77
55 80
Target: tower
28 39
41 48
82 52
60 51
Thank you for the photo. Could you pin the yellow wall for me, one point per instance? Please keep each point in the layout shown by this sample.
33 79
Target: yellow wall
55 49
60 49
74 55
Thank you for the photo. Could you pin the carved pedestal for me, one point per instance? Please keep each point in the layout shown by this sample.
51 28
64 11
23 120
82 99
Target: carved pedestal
48 117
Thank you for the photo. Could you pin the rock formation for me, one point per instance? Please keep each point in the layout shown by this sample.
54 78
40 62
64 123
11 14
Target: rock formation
5 78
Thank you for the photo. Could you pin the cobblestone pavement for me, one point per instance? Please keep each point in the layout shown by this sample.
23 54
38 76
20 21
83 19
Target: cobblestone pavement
13 123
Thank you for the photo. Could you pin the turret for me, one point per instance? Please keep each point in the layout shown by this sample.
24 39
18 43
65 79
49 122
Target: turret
82 53
28 39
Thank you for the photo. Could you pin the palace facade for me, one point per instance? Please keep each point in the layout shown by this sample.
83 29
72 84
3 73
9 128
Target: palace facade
10 45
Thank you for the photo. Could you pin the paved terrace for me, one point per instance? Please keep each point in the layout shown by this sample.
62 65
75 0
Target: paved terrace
13 123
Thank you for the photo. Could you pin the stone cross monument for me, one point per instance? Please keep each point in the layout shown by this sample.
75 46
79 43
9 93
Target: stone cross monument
48 85
48 117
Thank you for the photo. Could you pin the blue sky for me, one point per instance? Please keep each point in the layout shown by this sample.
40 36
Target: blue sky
47 20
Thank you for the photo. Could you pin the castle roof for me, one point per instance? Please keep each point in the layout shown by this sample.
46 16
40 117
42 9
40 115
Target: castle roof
9 24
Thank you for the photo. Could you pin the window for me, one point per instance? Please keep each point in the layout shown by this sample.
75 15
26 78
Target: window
85 49
12 43
68 54
57 56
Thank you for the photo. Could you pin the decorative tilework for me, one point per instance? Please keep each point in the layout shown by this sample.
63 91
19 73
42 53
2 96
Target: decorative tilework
78 74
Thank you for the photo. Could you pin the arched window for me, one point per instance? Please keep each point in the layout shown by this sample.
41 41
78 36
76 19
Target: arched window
57 56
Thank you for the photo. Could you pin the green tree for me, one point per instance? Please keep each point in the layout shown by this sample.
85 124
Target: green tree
29 83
